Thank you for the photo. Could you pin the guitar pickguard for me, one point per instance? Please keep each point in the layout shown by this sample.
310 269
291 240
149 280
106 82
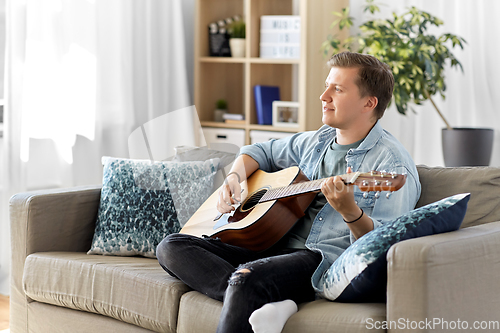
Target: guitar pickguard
224 219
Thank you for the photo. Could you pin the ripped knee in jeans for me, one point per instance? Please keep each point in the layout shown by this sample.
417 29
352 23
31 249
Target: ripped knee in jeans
239 276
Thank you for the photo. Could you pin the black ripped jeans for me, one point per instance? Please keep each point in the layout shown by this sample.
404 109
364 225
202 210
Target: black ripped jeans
244 280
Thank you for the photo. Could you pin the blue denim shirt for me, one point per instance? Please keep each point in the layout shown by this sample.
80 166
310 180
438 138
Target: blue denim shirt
379 151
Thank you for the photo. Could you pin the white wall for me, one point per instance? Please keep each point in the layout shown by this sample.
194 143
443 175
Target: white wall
2 46
188 9
470 95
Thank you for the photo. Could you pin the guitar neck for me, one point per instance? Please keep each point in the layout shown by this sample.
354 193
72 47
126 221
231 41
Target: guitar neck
303 187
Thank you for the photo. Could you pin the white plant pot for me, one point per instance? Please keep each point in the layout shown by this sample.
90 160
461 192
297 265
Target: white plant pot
237 46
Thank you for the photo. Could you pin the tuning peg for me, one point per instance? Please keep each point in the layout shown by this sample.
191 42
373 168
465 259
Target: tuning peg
388 195
365 195
377 195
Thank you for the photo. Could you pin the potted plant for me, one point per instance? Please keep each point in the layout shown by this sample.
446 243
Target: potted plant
220 110
237 40
418 60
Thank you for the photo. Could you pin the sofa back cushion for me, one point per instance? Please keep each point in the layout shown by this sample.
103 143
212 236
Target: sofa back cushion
483 183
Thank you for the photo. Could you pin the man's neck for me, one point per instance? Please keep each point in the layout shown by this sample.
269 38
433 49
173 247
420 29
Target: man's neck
348 136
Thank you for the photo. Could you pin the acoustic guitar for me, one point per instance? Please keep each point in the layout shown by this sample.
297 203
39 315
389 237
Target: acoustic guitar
271 204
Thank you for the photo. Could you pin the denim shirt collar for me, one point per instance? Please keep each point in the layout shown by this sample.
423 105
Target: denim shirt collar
371 139
368 143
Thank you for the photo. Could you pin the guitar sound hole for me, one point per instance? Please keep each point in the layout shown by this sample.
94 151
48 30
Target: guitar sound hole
253 200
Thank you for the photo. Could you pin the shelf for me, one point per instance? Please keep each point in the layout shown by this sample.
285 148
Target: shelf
223 60
282 61
233 79
249 127
220 80
273 128
222 125
249 60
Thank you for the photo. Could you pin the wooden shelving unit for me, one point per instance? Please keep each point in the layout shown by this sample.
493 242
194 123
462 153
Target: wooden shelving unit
233 79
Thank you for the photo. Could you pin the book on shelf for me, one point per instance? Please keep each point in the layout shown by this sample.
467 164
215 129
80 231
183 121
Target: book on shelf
264 97
233 116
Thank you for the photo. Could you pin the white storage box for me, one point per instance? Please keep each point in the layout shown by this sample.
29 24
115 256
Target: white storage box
263 136
224 135
280 36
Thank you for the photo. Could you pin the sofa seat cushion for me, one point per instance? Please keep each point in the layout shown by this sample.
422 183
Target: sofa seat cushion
131 289
313 317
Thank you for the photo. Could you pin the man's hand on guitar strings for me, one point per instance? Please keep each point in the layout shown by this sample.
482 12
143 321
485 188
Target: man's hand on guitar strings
229 194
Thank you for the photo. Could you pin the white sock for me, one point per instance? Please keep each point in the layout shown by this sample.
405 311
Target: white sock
272 317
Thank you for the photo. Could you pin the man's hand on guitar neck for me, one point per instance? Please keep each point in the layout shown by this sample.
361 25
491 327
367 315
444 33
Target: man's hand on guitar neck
341 197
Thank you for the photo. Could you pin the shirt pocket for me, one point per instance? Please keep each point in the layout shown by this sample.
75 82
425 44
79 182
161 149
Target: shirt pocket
365 201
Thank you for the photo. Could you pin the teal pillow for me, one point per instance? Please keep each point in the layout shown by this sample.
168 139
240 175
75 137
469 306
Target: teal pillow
143 201
360 273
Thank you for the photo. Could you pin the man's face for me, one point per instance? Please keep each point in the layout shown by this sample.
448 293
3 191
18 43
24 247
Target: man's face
342 103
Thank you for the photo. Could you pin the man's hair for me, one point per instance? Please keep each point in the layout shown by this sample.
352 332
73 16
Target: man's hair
374 77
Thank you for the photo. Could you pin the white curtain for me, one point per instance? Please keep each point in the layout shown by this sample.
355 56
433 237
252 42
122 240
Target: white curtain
470 95
81 76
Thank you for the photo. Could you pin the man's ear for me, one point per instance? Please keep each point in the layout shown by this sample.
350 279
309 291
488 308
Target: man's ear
371 103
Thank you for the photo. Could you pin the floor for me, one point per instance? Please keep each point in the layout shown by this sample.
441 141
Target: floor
4 314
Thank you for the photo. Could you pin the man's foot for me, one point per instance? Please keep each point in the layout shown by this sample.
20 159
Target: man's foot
272 317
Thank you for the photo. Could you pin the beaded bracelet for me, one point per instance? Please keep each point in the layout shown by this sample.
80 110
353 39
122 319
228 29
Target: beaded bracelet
362 212
234 173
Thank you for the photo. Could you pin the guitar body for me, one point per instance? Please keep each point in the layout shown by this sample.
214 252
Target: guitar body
271 204
255 226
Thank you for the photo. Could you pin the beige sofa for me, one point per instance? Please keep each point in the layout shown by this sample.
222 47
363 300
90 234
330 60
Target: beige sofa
57 287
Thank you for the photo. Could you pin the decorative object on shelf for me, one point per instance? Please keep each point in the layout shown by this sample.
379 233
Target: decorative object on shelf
234 118
285 114
218 37
264 97
237 39
220 110
417 59
280 36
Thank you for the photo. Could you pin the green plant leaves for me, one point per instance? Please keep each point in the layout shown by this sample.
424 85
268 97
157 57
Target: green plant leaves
417 58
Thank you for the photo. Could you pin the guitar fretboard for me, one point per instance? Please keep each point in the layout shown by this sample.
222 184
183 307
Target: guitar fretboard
300 188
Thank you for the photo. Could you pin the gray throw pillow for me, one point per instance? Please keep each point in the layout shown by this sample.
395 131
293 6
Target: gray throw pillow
143 201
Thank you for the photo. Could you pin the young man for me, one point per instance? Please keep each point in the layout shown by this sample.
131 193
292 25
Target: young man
357 91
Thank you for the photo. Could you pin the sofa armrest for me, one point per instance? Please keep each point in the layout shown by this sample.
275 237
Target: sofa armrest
443 280
48 220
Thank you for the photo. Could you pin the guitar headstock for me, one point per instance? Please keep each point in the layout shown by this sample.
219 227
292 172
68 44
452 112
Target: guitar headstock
377 181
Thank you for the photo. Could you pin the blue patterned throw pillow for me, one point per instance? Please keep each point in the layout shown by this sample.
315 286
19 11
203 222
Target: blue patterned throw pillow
360 273
143 201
